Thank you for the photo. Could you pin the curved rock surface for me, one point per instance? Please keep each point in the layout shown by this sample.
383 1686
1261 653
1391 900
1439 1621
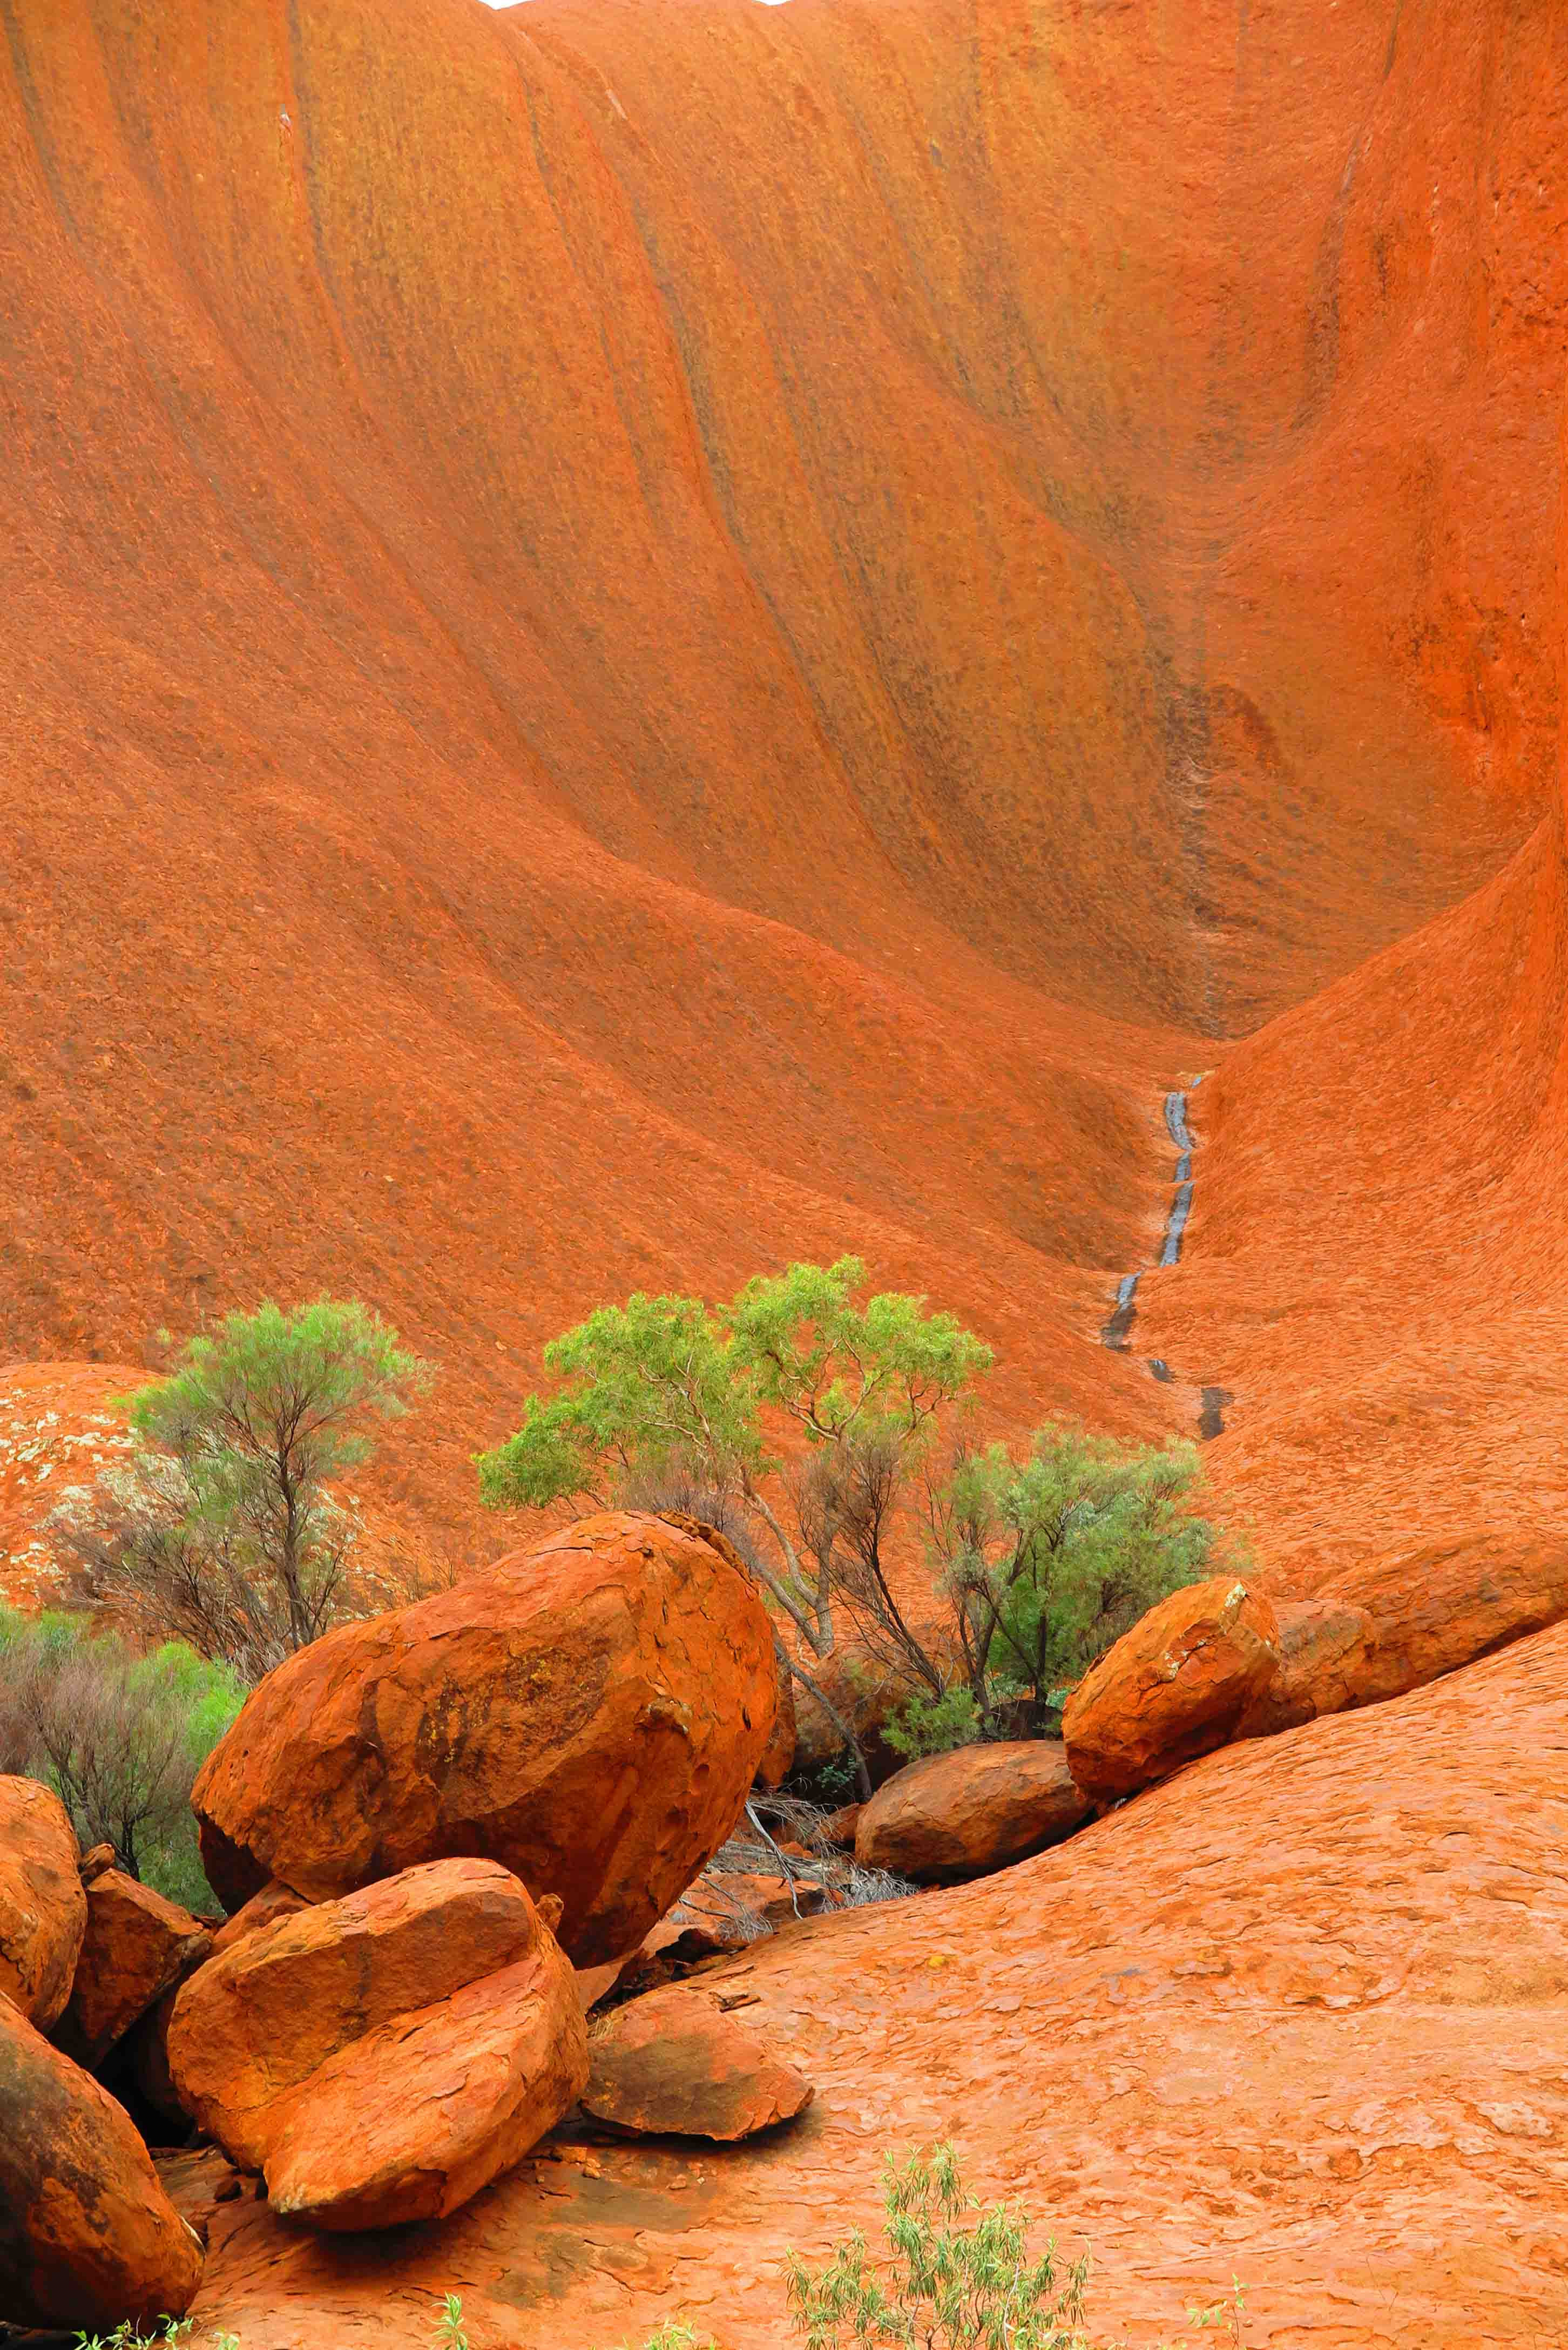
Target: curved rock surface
252 2030
43 1908
891 774
88 2237
1174 1687
138 1945
589 1712
949 1817
674 2064
411 2121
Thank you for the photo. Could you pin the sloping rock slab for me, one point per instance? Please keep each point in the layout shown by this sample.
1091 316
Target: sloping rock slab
590 1713
252 2028
676 2065
138 1946
42 1909
410 2122
1434 1609
1172 1688
954 1816
264 1908
88 2237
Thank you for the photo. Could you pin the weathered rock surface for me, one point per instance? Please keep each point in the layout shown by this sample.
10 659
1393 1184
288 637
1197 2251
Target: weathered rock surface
1318 1979
778 1757
1325 1657
252 2028
1173 1687
1384 1628
948 1817
264 1908
675 2063
138 1945
42 1909
589 1713
1436 1607
410 2122
88 2237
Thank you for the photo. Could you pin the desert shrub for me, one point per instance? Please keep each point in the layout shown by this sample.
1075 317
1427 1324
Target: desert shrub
954 2277
1044 1564
221 1530
119 1737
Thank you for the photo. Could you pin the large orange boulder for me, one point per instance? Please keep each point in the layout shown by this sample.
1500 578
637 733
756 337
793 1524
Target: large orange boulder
252 2028
590 1714
88 2237
1172 1688
952 1816
676 2064
138 1945
1325 1654
411 2121
42 1909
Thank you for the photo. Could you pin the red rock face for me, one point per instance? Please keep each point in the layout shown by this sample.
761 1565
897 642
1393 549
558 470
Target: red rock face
138 1946
474 2081
1383 1629
1173 1687
954 1816
264 1908
589 1713
42 1909
891 772
250 2030
88 2237
674 2064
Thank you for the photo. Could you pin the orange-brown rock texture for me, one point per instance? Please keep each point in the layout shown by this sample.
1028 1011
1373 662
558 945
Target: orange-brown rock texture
1177 1685
42 1909
1295 2016
252 2030
953 1816
643 639
640 639
589 1713
88 2237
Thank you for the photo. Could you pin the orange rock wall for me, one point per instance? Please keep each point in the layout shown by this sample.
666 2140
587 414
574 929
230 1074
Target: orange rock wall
640 637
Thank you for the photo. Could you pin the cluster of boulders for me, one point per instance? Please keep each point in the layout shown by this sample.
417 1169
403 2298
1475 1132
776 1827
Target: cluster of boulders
1214 1663
444 1835
441 1835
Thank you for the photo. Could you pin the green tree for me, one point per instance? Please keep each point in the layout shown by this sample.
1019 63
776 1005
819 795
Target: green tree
223 1531
1047 1562
668 1391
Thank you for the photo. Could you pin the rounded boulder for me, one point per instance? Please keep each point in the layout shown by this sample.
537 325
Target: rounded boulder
675 2063
251 2029
590 1714
478 2079
138 1945
88 2237
949 1817
42 1909
1174 1687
